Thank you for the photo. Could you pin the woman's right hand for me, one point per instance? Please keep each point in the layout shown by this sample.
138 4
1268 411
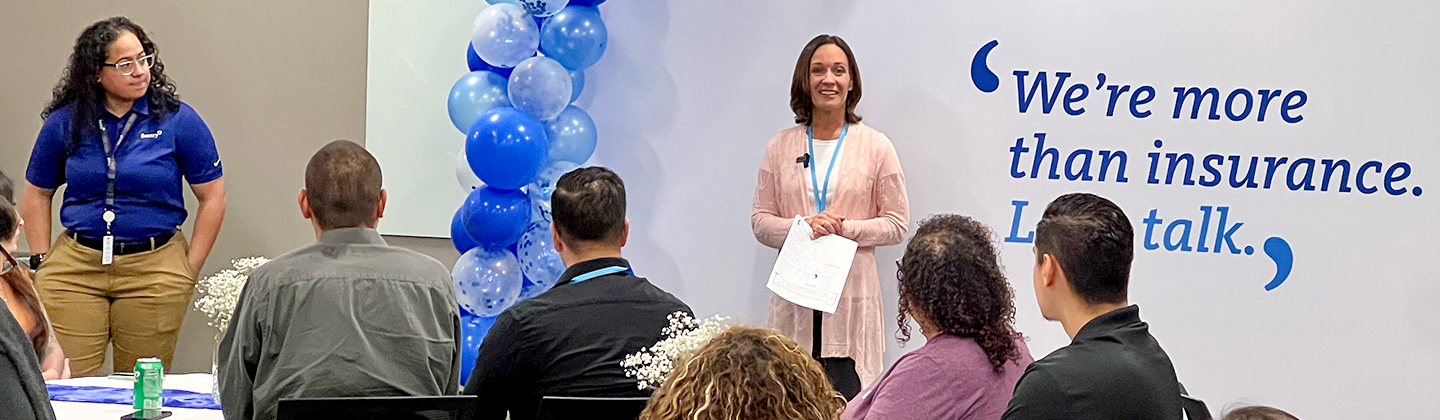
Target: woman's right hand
824 224
58 372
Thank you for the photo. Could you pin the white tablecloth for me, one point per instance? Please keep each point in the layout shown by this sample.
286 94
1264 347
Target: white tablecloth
193 382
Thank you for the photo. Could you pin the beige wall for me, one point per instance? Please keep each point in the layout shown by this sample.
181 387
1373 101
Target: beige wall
275 80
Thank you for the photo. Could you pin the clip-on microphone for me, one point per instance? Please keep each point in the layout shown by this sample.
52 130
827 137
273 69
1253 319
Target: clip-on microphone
804 160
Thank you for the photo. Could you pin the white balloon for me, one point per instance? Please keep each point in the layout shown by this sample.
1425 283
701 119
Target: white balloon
463 174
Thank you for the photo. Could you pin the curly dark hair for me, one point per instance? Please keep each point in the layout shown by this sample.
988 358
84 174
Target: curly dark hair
80 86
746 373
950 277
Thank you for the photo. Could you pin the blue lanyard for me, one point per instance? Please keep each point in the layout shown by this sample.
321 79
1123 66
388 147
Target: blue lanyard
601 272
822 195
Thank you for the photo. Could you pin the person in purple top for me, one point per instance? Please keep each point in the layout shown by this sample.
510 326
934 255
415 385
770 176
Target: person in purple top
952 285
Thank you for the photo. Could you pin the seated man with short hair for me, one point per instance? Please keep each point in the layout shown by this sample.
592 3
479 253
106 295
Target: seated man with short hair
570 340
346 317
1113 368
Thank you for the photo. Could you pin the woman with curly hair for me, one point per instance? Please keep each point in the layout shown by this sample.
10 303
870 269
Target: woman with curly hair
952 285
124 145
746 373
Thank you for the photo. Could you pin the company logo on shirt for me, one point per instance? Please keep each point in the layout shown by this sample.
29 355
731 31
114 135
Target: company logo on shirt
154 135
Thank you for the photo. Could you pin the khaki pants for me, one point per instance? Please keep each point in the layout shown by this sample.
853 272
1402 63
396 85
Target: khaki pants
137 303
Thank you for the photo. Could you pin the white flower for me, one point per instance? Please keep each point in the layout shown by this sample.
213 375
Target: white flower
652 365
221 291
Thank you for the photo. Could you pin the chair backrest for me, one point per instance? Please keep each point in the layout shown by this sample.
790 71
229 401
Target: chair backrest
455 407
590 408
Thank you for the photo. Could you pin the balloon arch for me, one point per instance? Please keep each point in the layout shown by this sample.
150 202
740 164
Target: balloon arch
527 65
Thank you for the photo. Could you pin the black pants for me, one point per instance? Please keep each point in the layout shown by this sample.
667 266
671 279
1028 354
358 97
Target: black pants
841 371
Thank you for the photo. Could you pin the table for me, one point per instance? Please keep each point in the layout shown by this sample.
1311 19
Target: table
194 382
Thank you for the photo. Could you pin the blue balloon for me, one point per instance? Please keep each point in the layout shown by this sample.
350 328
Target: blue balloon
495 218
572 136
487 281
543 187
577 84
575 37
591 3
538 260
504 35
543 8
540 86
476 64
473 330
506 148
474 94
463 241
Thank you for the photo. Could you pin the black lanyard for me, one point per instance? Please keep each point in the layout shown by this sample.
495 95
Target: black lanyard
110 152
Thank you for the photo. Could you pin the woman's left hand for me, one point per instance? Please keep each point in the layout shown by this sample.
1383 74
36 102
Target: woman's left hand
195 266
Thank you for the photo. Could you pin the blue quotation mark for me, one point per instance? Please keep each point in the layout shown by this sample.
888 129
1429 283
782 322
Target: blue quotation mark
1279 251
980 73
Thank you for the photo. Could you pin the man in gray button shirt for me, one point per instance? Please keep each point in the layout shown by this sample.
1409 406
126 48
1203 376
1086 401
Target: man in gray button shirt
346 317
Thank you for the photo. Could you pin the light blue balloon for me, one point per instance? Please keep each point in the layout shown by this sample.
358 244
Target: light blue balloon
577 84
505 35
572 135
543 188
487 281
473 95
539 260
540 86
576 37
543 8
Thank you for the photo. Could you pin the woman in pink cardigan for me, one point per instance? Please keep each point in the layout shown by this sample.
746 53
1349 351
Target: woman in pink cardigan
845 179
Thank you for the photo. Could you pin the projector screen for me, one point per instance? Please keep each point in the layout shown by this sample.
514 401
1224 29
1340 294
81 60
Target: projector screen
1273 158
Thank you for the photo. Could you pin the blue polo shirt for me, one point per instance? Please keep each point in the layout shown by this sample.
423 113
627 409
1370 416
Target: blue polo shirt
150 163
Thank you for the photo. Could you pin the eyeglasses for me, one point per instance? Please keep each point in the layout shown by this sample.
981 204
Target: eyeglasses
128 67
8 264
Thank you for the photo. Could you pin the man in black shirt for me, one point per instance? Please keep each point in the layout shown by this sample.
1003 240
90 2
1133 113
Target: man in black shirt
570 340
1113 368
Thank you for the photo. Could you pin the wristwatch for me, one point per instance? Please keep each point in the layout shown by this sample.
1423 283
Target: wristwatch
35 260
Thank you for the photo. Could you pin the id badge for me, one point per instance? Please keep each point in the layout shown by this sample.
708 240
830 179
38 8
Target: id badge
107 250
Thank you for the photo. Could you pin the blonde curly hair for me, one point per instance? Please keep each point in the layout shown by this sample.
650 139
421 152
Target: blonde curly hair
747 373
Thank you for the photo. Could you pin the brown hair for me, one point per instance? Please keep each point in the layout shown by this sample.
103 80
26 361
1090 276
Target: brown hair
747 373
20 283
951 276
800 84
1258 412
343 183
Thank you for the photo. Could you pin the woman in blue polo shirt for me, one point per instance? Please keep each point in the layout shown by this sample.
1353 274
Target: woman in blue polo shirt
123 143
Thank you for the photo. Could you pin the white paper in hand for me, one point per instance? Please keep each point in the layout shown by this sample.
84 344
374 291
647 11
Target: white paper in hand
812 273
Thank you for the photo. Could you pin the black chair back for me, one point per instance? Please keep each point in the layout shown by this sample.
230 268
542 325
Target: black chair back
590 408
459 407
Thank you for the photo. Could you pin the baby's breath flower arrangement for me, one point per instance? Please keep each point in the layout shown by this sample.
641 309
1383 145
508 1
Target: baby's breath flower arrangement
652 365
221 291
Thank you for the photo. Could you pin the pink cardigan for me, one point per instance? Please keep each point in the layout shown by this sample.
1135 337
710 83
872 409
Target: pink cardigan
870 195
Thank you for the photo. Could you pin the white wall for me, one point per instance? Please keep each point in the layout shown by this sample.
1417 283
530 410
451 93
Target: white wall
689 92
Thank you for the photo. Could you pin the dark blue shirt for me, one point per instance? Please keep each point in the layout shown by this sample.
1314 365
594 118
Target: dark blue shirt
150 163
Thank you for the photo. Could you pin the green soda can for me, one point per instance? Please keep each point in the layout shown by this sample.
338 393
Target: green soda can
149 382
